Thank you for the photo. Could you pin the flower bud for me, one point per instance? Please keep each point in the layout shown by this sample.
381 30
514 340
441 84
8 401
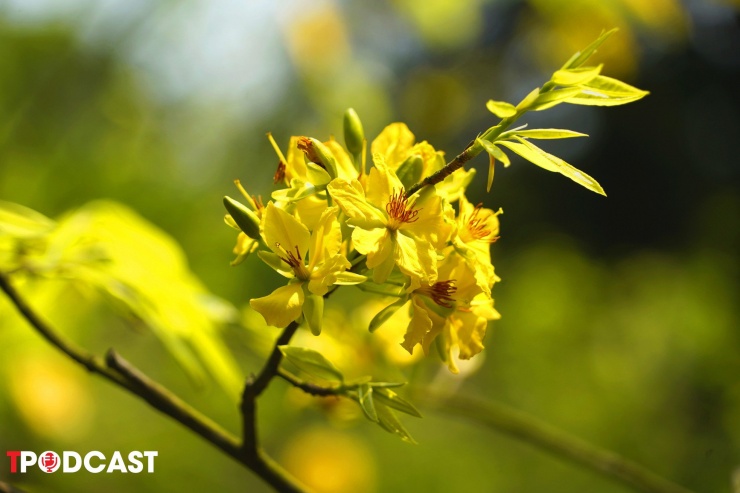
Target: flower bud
243 217
313 311
354 135
409 172
318 153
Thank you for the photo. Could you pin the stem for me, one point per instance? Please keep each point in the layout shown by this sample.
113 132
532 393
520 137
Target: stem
256 385
309 388
529 429
123 374
472 150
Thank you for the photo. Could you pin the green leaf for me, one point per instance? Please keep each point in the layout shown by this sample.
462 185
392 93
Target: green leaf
530 98
391 399
530 155
545 133
606 91
579 58
495 152
365 399
501 109
312 362
388 385
21 222
575 76
390 422
383 315
549 162
491 168
551 98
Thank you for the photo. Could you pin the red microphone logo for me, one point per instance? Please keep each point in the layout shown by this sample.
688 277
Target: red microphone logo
49 461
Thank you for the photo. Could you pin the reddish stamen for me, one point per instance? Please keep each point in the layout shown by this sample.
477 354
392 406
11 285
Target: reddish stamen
441 292
477 226
280 173
398 208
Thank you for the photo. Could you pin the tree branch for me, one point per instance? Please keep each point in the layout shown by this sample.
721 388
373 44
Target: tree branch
309 388
529 429
125 375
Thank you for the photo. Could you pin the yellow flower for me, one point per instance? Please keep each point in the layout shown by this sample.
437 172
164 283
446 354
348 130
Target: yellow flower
477 228
396 144
390 228
291 245
454 311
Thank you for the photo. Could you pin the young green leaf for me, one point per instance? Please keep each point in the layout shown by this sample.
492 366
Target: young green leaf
312 362
495 152
491 168
530 98
530 155
501 109
549 162
365 400
387 385
579 58
391 399
390 423
383 315
21 222
576 76
544 133
551 98
606 91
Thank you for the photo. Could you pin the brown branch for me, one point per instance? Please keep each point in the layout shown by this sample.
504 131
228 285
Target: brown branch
125 375
446 171
256 385
309 388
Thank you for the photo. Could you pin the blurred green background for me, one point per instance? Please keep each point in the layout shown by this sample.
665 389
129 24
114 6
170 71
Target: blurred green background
620 316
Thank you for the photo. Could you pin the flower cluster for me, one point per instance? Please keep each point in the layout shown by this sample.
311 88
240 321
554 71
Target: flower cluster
334 223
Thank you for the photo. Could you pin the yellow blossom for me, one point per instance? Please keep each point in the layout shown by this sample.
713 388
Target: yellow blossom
292 245
453 311
390 228
477 228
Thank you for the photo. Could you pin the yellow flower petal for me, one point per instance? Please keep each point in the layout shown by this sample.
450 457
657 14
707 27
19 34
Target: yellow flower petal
326 239
345 167
415 257
296 165
470 332
325 274
381 183
350 196
393 143
280 307
280 228
430 222
419 326
367 241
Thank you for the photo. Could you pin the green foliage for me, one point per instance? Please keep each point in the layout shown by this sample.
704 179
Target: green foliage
573 84
131 264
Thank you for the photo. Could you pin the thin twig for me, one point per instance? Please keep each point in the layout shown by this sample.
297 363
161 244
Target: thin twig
309 388
256 385
125 375
561 444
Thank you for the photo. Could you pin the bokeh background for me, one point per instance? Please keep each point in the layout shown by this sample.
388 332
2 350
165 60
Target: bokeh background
620 315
